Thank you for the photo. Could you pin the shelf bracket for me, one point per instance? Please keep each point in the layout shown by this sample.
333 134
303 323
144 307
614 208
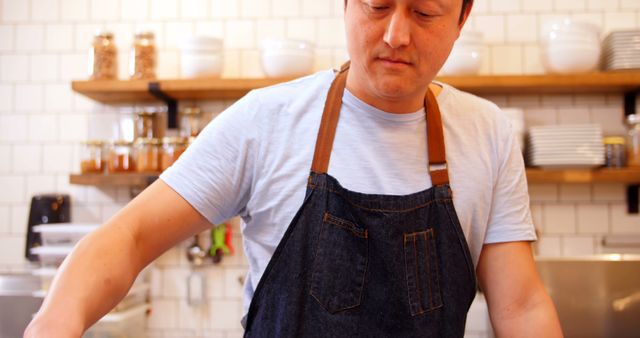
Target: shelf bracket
633 200
172 104
630 104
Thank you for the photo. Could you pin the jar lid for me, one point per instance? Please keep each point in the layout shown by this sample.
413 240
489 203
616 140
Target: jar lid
614 140
147 141
145 35
122 143
192 139
176 140
191 111
633 119
96 143
104 34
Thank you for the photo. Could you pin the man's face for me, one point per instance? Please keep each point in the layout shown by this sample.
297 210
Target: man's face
398 46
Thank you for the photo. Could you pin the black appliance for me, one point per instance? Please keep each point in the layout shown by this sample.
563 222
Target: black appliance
46 208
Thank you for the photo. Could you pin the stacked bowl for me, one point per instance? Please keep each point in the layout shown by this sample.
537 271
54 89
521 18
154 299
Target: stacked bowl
622 50
466 55
286 57
569 47
201 57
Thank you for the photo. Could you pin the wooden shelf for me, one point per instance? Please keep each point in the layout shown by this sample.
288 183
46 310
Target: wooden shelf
120 91
625 175
534 175
118 180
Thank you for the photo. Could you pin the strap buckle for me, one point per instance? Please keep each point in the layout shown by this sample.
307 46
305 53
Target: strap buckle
437 167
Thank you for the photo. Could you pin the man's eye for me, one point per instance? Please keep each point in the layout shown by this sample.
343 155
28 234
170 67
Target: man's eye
378 8
422 14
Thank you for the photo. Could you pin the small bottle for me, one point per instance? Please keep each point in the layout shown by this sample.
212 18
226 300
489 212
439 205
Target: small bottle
142 60
149 123
614 152
120 158
633 141
190 122
103 57
172 148
92 157
147 152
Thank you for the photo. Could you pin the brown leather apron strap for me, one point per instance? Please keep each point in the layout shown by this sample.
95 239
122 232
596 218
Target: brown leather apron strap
331 114
435 136
327 132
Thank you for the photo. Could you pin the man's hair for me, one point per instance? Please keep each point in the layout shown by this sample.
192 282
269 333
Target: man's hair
465 4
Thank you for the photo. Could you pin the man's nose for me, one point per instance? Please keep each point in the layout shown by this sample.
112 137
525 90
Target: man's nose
398 32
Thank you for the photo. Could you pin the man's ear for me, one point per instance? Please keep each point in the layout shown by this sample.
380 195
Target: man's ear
464 15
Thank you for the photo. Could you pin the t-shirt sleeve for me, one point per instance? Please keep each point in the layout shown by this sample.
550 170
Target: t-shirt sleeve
510 216
216 172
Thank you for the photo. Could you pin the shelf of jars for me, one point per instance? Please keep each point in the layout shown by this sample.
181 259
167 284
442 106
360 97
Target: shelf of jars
121 91
534 176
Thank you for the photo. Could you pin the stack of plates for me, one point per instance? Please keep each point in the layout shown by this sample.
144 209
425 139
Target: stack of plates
622 50
566 146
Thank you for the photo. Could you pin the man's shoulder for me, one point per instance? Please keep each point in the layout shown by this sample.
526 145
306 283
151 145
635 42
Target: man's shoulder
466 101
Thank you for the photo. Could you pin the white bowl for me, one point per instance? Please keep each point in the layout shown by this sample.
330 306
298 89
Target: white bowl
570 60
569 26
201 57
462 61
286 57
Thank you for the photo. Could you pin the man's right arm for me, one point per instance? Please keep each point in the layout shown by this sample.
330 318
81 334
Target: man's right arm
104 264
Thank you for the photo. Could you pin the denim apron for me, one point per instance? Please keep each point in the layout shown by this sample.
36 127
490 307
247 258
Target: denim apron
365 265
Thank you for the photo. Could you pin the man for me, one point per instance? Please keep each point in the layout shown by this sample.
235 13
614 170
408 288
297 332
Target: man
385 237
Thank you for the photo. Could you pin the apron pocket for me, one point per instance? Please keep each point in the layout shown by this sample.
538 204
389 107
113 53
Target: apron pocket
421 263
340 264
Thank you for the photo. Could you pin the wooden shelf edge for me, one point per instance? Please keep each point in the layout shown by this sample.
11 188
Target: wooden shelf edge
118 180
534 176
119 91
602 82
601 175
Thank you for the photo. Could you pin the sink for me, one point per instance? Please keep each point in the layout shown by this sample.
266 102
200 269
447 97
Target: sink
596 296
17 303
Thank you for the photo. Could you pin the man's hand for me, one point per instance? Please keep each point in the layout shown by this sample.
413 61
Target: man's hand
519 305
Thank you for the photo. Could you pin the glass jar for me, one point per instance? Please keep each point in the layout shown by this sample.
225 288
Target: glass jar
614 152
190 122
149 124
120 158
147 152
142 60
92 157
633 141
103 57
172 148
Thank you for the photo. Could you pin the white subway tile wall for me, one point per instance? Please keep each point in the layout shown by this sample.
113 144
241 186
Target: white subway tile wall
43 46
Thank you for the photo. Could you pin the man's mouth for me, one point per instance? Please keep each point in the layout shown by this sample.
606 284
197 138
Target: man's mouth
394 61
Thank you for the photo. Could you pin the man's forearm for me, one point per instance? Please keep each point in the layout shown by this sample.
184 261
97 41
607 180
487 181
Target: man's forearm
91 281
535 318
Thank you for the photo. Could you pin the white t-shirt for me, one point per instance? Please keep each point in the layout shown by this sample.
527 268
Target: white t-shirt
253 160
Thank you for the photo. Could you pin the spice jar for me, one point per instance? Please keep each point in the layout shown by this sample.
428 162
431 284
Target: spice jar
633 141
92 157
120 158
147 152
149 124
172 148
142 60
103 57
190 121
614 152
